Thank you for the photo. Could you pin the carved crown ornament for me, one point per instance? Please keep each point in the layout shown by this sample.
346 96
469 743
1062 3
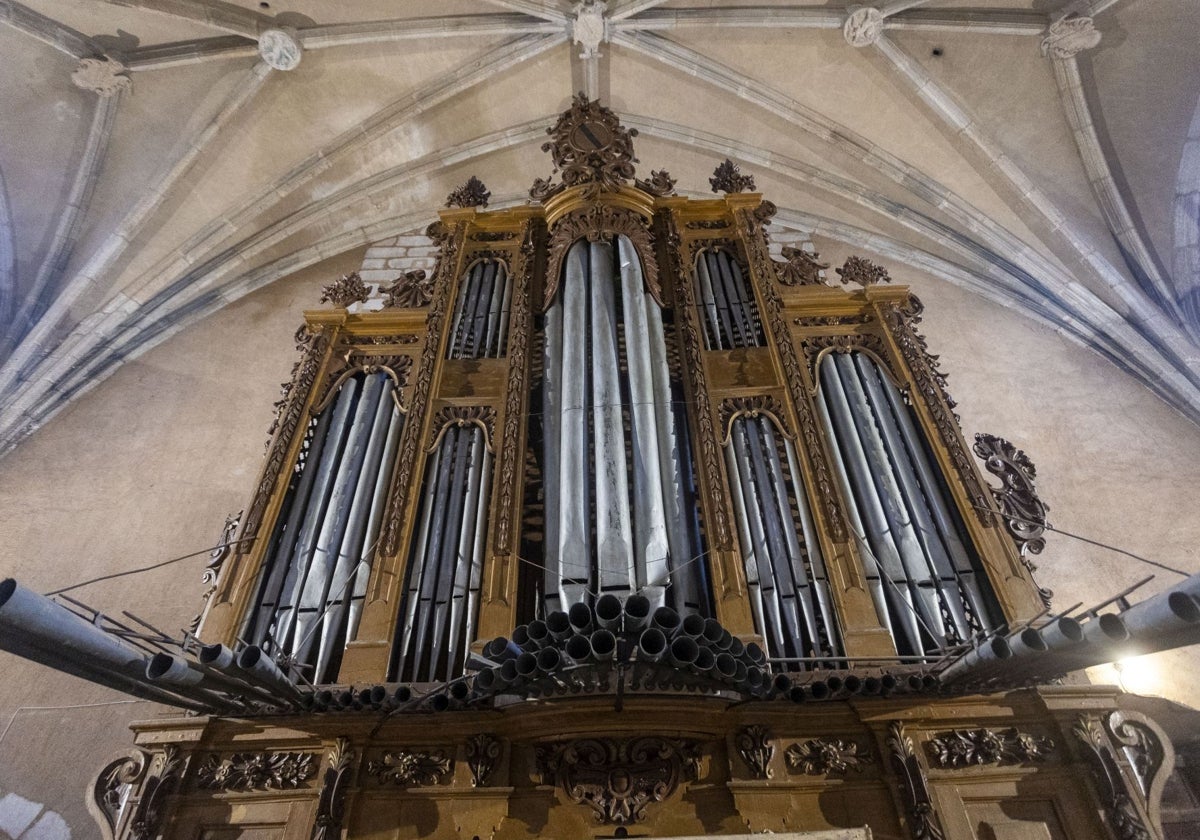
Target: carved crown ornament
800 268
471 194
591 148
728 178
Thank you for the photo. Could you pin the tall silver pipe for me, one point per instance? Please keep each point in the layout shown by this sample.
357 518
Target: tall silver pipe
573 491
477 344
729 321
313 597
749 549
439 465
314 516
476 578
712 322
490 347
739 298
505 314
552 360
614 528
865 499
650 532
351 553
883 472
461 579
362 574
446 560
816 561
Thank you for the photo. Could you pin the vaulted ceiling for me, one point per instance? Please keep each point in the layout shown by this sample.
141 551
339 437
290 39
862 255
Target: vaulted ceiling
161 158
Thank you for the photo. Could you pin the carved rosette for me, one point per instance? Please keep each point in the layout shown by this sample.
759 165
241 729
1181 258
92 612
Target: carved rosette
348 289
589 147
755 747
103 76
756 406
727 178
514 400
799 268
331 806
618 778
597 223
256 771
471 194
483 751
166 770
483 416
304 374
449 242
112 789
863 26
922 819
930 382
411 291
1124 817
410 768
1066 38
826 756
977 747
753 222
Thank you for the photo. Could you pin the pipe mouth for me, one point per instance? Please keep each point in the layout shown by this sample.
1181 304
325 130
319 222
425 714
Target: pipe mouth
684 650
796 694
378 694
548 658
1032 639
608 608
712 631
520 635
652 643
887 682
999 647
737 647
637 608
209 654
459 690
538 631
526 664
782 683
705 659
740 671
693 625
580 617
726 665
402 694
1069 628
603 643
754 677
508 671
1113 627
485 680
159 665
439 702
915 682
819 690
834 684
558 623
249 657
7 587
852 684
1184 606
578 647
666 620
929 682
872 685
755 652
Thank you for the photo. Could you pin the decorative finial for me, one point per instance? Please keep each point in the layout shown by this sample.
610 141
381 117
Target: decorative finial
103 76
727 178
471 194
411 291
863 272
660 183
800 269
589 147
1067 37
349 289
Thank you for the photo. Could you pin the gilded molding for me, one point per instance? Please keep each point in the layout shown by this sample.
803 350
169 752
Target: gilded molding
596 223
331 805
408 768
706 433
256 771
349 289
756 246
977 747
756 749
618 778
519 326
449 241
922 818
757 406
482 751
930 384
826 756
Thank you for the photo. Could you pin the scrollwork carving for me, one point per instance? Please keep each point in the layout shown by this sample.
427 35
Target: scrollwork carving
728 178
825 756
922 819
408 768
596 223
216 561
331 806
757 406
346 290
660 183
863 272
816 346
618 778
166 769
482 752
471 194
483 416
112 789
799 268
1123 815
589 146
707 224
256 771
1149 754
754 746
967 747
411 291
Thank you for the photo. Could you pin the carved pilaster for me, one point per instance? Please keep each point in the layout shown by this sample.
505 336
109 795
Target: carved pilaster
754 745
922 818
113 790
166 770
1124 816
331 806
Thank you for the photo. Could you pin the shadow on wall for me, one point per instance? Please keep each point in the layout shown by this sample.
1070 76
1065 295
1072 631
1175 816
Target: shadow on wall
21 819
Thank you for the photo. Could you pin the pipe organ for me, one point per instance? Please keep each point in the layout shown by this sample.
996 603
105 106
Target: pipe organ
606 522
